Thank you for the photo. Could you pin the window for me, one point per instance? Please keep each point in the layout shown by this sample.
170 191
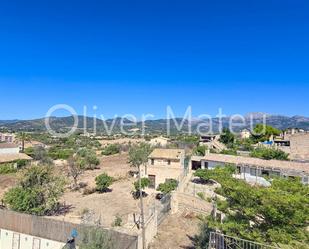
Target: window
152 161
168 162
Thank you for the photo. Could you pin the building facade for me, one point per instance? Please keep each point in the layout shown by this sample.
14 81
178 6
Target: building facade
164 164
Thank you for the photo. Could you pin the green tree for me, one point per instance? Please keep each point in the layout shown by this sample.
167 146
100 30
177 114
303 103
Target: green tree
138 156
199 150
269 153
227 137
271 215
262 132
37 192
167 187
103 181
144 184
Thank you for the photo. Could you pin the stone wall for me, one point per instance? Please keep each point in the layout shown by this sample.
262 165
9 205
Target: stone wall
184 202
299 144
55 230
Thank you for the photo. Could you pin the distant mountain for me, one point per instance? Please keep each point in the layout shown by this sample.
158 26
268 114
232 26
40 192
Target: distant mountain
156 126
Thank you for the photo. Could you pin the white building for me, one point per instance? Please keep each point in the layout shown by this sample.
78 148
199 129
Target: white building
9 148
159 141
245 134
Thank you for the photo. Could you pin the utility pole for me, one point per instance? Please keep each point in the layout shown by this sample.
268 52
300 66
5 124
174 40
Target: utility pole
141 207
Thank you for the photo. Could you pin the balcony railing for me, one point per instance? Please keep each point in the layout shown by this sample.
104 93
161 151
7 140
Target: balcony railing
221 241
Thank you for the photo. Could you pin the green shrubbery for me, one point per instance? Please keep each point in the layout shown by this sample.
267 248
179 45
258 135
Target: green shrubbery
13 167
57 152
270 215
103 181
7 168
269 153
167 187
88 158
37 192
111 150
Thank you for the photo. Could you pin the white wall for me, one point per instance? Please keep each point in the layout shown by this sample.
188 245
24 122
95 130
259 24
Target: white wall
24 241
9 150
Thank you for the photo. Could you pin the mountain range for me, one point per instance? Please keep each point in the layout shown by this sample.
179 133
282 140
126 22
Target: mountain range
60 124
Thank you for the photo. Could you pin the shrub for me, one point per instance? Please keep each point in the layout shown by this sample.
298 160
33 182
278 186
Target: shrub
7 168
269 153
200 150
229 152
111 150
37 192
95 238
144 183
88 158
201 195
103 181
167 187
57 152
117 222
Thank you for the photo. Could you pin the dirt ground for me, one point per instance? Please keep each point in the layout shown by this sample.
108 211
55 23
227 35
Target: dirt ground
6 182
176 232
106 142
106 206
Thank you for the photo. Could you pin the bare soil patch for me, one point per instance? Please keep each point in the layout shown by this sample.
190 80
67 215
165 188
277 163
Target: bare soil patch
6 182
176 232
105 206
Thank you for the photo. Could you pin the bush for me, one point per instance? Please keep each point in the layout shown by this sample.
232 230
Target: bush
144 183
117 222
269 153
88 158
199 150
229 152
37 192
103 181
95 238
167 187
111 150
58 153
7 168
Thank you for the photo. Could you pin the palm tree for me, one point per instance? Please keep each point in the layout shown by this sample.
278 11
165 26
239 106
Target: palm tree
23 137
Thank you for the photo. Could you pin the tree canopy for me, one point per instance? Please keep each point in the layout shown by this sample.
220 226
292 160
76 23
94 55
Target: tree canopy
273 215
262 132
227 137
37 192
269 153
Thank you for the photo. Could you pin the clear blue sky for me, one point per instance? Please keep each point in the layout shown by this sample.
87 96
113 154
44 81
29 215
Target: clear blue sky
139 56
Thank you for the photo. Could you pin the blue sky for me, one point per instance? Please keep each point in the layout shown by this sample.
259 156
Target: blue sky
140 56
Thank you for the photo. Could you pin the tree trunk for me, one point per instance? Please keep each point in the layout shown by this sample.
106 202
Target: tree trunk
142 207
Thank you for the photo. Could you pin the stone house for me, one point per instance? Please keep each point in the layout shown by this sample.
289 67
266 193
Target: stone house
164 164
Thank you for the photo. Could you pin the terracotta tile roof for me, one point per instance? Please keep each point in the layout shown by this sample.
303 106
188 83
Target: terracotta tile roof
238 160
167 153
6 158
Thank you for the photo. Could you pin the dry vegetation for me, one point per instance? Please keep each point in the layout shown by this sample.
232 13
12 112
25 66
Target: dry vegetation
106 206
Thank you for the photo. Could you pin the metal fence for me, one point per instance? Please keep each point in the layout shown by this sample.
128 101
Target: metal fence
163 208
221 241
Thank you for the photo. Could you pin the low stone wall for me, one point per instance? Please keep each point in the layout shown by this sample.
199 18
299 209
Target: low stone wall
57 230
